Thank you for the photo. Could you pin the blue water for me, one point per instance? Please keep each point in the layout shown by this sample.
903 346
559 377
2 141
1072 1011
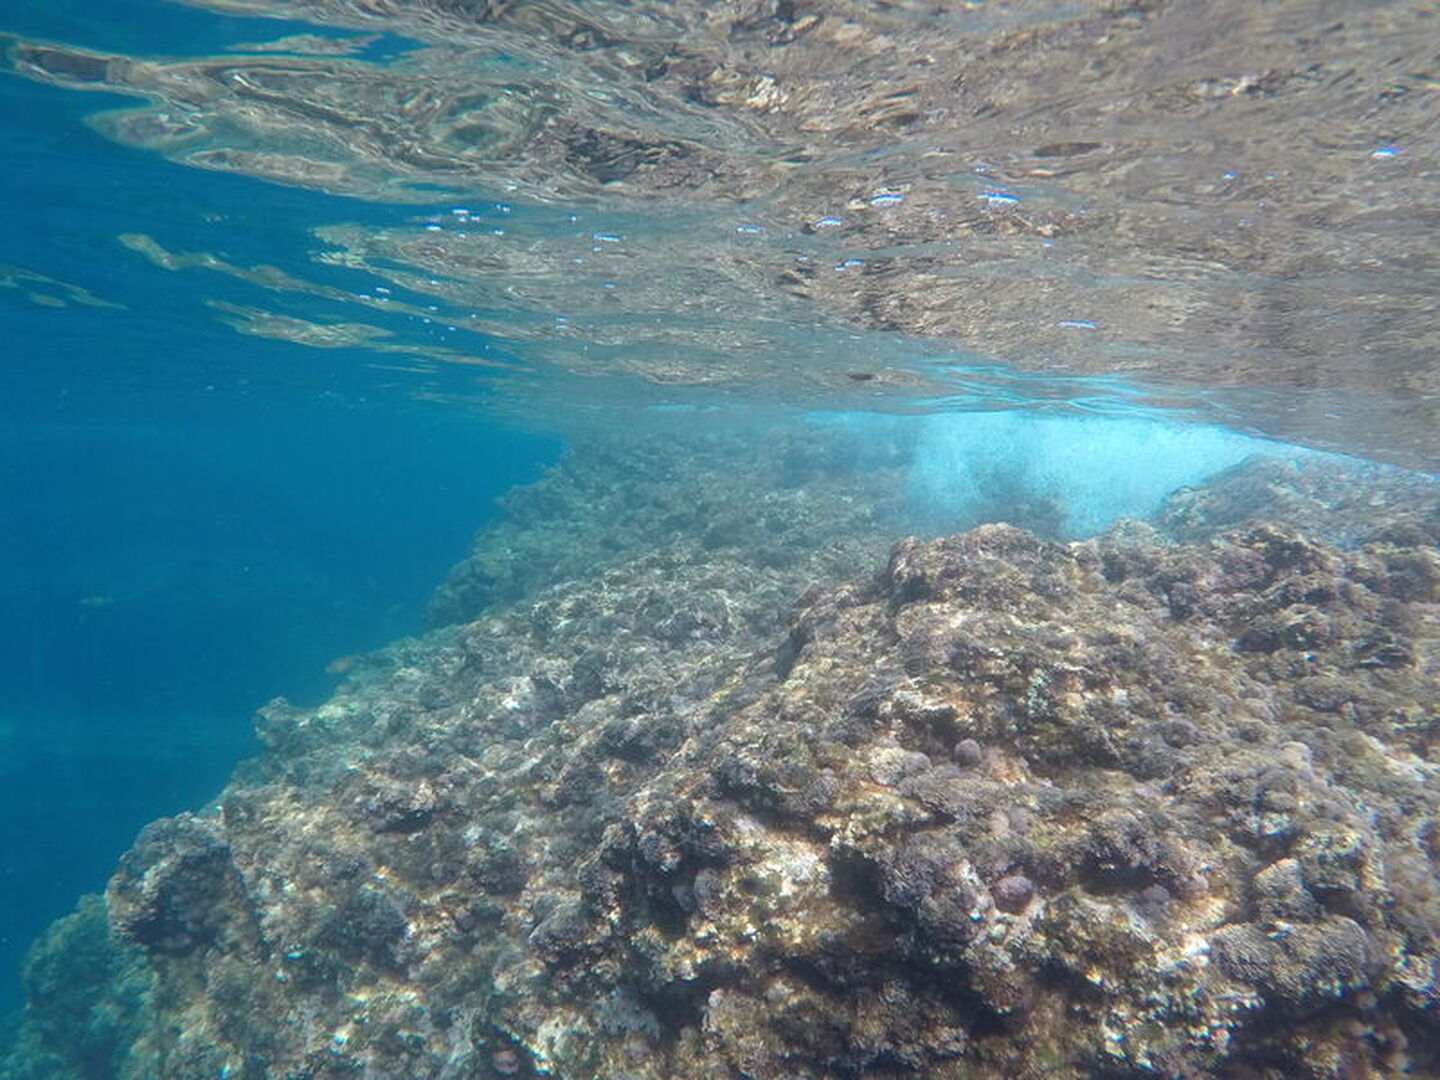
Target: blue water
170 564
195 522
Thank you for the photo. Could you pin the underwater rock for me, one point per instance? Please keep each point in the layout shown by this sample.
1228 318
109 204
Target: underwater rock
969 753
1296 966
1127 807
807 504
89 1007
175 888
1013 893
1341 503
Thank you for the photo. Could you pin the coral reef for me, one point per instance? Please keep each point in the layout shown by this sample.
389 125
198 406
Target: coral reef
809 503
1341 503
1134 806
88 995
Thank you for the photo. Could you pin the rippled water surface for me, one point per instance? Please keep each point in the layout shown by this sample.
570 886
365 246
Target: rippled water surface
1229 205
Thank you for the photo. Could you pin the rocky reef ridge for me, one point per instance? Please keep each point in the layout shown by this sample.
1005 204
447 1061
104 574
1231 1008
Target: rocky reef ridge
1138 806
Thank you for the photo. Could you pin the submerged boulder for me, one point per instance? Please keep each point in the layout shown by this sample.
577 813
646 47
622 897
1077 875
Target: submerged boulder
1120 808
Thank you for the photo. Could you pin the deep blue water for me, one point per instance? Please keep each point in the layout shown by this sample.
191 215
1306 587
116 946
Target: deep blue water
167 567
194 521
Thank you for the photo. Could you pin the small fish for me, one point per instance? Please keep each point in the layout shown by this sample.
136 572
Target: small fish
341 664
97 600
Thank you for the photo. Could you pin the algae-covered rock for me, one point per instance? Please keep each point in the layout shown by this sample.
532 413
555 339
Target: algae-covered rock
89 1007
1003 807
793 503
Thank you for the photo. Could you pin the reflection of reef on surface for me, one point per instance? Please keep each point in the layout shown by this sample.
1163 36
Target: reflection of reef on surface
1161 803
1224 194
45 291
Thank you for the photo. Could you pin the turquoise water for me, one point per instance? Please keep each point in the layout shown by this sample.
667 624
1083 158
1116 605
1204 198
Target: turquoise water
194 525
261 388
181 560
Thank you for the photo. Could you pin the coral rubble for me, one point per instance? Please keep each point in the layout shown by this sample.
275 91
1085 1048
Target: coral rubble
1133 806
